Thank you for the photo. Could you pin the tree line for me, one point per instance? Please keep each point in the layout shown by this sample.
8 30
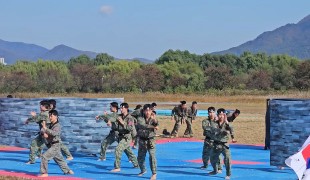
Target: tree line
174 71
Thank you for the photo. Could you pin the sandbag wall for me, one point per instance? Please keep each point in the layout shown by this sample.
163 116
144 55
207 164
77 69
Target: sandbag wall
289 127
80 131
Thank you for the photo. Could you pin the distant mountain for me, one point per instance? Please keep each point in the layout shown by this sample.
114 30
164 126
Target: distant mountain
291 39
143 60
12 51
62 52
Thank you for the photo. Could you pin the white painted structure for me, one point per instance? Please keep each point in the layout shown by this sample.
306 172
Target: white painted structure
2 61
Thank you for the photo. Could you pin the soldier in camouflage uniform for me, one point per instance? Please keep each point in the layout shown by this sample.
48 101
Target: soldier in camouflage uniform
191 115
154 106
52 136
38 142
179 114
136 113
146 130
221 145
110 119
207 126
125 127
230 118
64 149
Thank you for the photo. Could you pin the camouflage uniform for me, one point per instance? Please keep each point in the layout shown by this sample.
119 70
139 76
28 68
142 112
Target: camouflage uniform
64 149
207 126
230 118
137 113
53 152
147 143
221 147
191 115
38 142
112 137
179 115
124 139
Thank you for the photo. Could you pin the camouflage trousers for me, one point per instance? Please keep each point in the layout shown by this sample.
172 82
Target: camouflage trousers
53 152
215 157
144 146
188 130
124 145
111 138
178 122
64 150
36 144
207 152
136 140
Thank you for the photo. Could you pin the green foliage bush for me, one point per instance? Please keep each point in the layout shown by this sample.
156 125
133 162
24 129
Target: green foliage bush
173 72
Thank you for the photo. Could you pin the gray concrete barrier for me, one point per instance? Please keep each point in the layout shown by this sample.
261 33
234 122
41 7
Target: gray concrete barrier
80 131
289 127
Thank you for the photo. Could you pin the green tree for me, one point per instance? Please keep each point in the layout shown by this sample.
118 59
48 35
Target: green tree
148 78
302 76
82 59
103 59
218 78
177 56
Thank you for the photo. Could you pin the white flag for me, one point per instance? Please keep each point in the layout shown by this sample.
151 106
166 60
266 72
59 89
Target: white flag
300 162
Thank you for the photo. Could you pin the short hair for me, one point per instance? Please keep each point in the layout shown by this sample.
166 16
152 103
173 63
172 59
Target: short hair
114 104
154 112
138 107
183 102
53 112
53 101
147 106
9 96
153 104
45 103
194 102
125 105
221 110
237 111
211 109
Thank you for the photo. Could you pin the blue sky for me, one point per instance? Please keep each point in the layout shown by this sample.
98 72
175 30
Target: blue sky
145 28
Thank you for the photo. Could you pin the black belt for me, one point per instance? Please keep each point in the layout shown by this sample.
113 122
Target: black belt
51 143
221 143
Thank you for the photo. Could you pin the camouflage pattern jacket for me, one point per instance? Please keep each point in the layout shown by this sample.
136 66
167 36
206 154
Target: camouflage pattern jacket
43 116
144 127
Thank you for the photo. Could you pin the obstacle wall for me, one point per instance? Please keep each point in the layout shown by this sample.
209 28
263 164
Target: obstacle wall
289 127
80 131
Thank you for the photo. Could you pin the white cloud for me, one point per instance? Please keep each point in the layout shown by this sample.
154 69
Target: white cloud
106 9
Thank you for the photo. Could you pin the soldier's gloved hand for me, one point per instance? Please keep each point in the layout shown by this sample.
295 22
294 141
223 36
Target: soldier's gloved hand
97 117
233 141
109 123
